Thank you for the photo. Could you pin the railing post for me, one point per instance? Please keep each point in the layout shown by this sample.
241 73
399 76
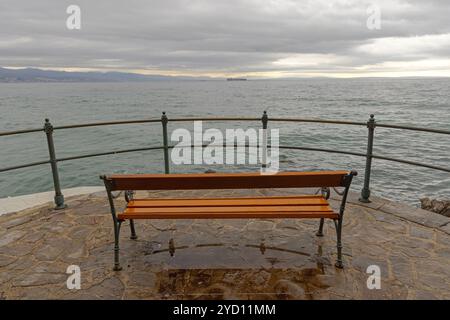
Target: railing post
59 198
264 121
164 121
365 192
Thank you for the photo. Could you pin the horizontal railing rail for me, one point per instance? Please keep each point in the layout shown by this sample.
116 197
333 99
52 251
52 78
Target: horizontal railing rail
223 119
358 154
48 129
26 165
16 132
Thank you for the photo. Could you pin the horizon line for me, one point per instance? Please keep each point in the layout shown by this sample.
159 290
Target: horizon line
208 76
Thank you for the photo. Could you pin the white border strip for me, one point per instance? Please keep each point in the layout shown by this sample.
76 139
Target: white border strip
19 203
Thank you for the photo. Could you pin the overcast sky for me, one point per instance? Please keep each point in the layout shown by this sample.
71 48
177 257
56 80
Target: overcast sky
251 38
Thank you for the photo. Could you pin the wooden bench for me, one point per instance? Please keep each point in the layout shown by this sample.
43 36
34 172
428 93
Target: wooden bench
298 206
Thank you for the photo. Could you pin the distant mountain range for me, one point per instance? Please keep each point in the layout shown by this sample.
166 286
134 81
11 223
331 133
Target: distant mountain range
39 75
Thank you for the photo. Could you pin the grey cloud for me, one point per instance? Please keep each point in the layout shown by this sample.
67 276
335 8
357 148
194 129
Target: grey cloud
210 36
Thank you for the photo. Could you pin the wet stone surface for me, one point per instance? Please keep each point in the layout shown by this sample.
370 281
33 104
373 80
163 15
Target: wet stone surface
220 259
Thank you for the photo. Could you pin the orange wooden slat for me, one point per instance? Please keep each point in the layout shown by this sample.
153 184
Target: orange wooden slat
227 202
227 180
231 209
227 215
234 198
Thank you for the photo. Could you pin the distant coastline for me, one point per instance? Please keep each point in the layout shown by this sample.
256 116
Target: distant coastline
39 75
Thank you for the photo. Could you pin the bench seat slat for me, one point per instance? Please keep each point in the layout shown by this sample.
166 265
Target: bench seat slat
228 215
276 207
237 197
302 201
231 209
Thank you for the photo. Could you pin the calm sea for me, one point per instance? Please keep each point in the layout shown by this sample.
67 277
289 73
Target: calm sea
423 103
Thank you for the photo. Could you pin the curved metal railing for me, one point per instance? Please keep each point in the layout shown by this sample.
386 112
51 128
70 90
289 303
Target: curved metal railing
371 124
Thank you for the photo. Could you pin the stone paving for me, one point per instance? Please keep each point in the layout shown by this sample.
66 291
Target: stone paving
224 259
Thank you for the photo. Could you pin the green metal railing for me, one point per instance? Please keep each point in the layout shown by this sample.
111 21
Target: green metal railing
371 124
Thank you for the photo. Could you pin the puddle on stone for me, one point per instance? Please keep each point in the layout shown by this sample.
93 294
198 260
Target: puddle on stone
233 283
236 270
227 259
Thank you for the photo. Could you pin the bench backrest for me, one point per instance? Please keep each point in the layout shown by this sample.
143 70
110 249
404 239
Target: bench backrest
228 180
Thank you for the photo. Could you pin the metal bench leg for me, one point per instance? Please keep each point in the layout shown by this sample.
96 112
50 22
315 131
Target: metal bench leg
338 225
116 222
117 266
320 231
133 231
325 191
129 194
